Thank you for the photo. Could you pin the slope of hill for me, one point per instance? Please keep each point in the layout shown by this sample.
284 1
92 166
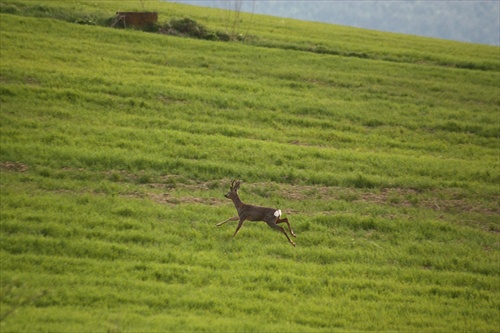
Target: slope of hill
118 145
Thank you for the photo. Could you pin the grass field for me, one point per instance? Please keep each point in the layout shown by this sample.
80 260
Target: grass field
118 145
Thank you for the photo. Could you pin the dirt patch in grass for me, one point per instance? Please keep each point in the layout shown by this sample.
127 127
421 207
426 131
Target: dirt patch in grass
160 188
13 166
446 201
440 200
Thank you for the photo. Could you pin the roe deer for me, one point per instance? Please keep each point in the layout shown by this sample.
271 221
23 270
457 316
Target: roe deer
255 213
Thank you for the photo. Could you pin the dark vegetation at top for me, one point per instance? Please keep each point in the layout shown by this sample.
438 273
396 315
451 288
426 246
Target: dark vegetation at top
188 27
185 27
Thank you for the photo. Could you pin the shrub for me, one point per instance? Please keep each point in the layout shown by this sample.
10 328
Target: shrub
87 20
222 36
187 27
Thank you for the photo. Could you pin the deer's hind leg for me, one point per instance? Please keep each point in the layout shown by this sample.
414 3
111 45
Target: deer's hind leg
235 218
288 223
274 225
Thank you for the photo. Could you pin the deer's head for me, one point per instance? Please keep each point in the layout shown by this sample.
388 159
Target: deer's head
233 190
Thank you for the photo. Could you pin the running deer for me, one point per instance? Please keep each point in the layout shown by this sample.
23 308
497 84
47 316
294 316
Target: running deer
255 213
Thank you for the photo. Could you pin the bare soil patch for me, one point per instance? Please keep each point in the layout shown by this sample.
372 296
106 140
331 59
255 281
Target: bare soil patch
13 166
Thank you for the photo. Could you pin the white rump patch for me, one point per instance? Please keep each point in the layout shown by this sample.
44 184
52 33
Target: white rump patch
277 213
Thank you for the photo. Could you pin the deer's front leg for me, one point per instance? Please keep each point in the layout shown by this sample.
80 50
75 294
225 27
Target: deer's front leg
239 226
235 218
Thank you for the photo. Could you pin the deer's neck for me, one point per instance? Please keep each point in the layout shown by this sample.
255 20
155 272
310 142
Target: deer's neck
238 203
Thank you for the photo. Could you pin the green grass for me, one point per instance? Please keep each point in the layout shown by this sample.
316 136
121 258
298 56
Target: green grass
118 145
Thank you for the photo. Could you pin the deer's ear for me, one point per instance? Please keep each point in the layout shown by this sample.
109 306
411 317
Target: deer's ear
237 185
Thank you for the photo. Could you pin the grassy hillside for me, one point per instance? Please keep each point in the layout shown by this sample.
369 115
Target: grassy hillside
118 145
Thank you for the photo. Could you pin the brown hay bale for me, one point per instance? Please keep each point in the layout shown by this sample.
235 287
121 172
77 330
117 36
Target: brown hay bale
137 19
